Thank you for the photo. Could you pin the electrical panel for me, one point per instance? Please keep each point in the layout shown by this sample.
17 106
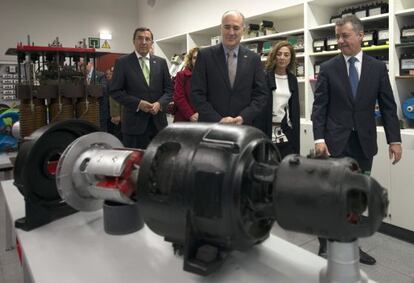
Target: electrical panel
9 78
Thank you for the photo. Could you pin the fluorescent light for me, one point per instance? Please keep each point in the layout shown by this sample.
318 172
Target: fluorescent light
105 35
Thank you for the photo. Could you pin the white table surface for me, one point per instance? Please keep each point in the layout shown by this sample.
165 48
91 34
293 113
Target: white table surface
5 162
76 249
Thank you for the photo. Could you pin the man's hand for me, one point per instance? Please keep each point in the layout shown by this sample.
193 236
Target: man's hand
239 120
144 106
395 151
156 107
194 117
321 149
227 120
115 120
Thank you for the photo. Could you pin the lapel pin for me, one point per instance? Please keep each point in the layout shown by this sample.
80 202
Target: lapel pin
245 56
154 61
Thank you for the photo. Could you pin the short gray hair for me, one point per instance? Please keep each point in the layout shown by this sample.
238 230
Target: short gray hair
354 20
233 11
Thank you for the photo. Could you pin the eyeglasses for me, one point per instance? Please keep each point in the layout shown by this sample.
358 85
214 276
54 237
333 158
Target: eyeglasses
143 39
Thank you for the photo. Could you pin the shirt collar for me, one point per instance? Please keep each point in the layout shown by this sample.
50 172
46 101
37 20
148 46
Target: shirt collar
139 56
358 56
235 49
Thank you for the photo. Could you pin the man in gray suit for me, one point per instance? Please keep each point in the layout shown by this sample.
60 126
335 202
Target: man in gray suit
228 83
141 83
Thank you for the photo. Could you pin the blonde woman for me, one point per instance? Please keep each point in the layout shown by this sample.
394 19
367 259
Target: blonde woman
281 120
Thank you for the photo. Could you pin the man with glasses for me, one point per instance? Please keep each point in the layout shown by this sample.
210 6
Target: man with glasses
141 83
228 82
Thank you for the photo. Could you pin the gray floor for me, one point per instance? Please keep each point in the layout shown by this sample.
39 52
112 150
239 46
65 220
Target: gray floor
395 258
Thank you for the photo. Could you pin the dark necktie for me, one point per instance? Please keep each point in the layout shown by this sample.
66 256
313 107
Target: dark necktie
231 66
353 75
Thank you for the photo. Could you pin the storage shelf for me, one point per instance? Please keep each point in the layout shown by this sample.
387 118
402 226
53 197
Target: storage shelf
366 19
325 53
176 39
405 77
376 47
322 27
405 45
375 18
273 36
333 52
300 56
406 12
210 31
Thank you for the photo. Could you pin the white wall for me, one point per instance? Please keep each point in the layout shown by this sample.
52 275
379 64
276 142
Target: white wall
172 17
70 20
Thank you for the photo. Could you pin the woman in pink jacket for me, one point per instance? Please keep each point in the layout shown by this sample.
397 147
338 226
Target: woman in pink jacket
184 111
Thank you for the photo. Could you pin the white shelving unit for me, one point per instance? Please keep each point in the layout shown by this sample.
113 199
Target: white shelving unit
311 18
169 46
275 36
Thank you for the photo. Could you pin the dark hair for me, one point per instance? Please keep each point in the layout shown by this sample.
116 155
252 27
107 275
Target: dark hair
189 57
142 29
356 23
271 58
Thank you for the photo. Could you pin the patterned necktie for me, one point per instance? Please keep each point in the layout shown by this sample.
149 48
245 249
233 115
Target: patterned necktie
145 69
231 66
353 75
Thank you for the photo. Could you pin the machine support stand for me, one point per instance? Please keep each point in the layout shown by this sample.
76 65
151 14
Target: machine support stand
38 215
343 264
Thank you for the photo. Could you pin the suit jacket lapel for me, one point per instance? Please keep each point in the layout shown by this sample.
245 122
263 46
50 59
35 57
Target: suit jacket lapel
153 68
363 79
241 59
220 59
343 77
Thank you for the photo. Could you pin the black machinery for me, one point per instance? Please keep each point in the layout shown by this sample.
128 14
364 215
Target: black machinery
53 85
35 169
213 188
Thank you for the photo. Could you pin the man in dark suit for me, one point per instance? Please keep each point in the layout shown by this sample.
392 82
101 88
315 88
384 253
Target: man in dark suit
346 91
141 83
228 83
